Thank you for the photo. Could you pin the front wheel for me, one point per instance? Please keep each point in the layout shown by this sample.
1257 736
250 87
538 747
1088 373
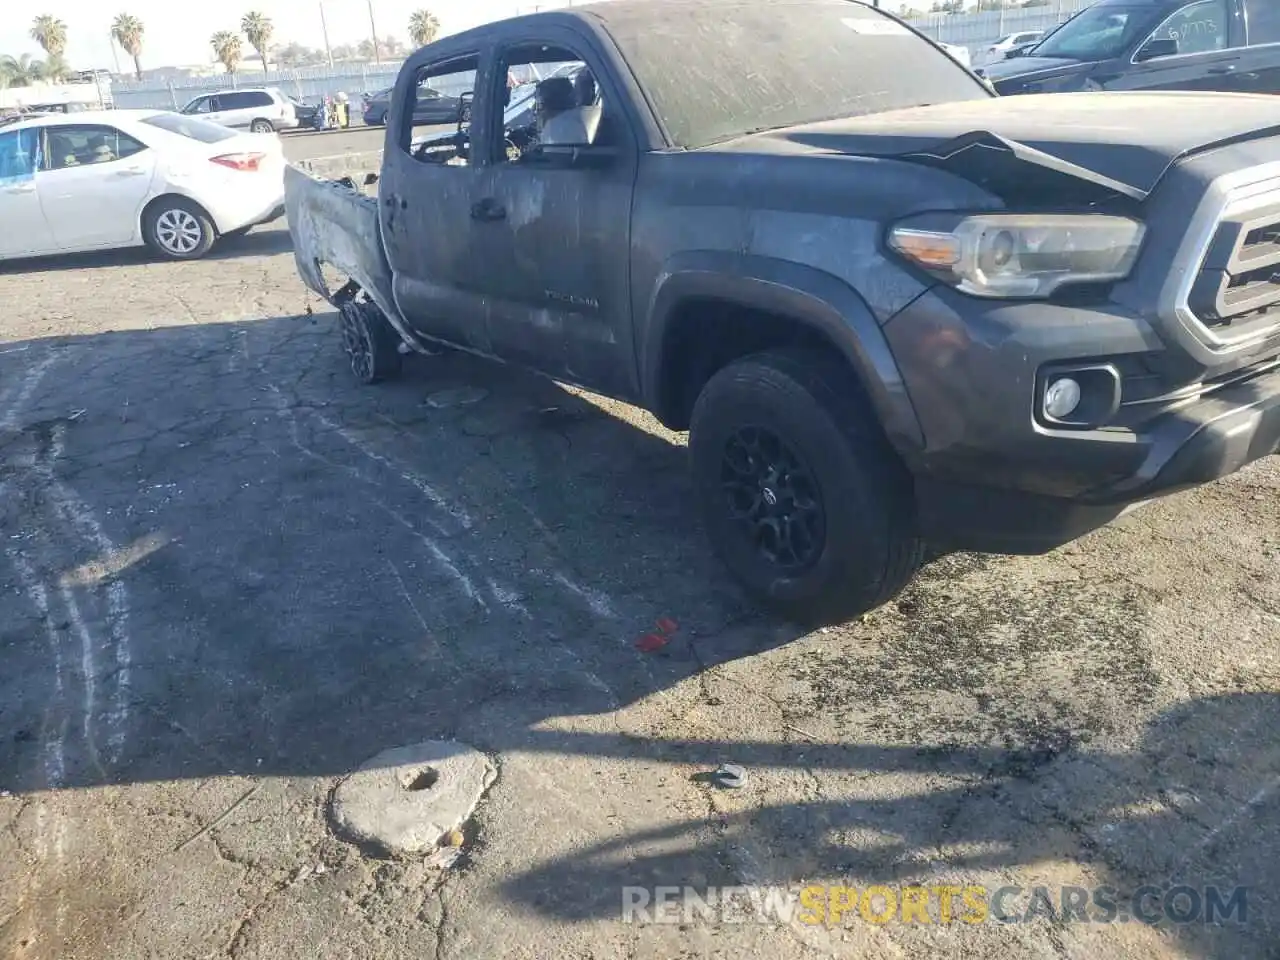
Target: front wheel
802 497
178 229
371 343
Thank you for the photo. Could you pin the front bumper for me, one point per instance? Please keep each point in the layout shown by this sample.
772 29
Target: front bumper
993 476
271 216
1195 444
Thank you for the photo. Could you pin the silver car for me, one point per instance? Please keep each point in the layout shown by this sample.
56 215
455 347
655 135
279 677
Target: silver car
260 109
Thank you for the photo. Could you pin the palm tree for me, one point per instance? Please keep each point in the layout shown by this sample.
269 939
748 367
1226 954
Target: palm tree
423 27
19 71
127 32
258 28
226 47
50 33
54 68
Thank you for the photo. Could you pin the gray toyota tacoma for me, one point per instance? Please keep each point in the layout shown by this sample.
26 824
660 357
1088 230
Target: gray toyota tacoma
890 307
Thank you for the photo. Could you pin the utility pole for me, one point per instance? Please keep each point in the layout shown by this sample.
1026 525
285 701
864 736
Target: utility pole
374 27
328 51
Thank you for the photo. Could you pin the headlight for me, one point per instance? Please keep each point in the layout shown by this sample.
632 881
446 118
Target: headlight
1020 256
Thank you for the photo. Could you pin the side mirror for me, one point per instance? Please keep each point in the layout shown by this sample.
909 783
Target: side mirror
464 110
1155 48
571 157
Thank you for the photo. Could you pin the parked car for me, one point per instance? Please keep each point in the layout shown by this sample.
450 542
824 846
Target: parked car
305 112
90 181
960 53
1227 45
1010 41
374 107
432 108
891 308
260 110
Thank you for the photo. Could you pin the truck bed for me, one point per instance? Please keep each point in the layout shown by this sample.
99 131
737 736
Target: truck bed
335 225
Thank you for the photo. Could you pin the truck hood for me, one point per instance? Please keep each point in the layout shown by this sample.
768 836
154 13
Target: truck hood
1118 142
1030 68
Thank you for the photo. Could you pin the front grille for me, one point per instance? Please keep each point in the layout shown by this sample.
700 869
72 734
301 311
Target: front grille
1236 292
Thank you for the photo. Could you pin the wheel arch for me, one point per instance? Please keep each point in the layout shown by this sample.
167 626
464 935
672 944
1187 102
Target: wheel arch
703 301
169 196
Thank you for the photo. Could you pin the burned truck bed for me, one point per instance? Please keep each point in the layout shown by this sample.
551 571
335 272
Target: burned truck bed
334 224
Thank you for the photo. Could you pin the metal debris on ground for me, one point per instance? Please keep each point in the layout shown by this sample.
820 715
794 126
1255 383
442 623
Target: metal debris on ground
444 858
460 396
730 775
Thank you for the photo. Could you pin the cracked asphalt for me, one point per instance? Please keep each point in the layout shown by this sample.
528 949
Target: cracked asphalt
229 575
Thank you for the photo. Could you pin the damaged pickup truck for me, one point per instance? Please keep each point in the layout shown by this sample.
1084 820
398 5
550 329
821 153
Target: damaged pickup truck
890 307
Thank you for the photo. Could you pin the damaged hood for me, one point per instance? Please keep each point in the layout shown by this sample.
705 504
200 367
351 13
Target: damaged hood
1119 142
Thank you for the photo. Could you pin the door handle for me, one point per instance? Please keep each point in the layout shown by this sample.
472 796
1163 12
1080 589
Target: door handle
488 209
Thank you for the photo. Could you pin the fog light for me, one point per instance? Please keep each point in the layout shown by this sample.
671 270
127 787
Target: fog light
1061 398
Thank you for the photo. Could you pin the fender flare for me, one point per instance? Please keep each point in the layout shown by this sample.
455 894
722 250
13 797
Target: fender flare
820 301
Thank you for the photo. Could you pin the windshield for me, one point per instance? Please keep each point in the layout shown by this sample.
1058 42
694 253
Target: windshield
1096 33
767 69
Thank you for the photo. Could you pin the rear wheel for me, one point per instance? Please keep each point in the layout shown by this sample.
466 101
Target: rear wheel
178 229
371 343
802 497
262 126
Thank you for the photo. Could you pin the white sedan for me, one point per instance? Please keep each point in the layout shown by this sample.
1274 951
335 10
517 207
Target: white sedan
959 53
76 182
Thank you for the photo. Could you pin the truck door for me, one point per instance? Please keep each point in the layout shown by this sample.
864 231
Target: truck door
555 230
429 173
1260 67
1204 40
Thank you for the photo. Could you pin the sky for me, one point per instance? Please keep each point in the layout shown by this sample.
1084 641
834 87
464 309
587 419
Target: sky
177 34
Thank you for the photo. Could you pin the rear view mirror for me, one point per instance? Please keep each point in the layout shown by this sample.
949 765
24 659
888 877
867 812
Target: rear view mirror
1155 48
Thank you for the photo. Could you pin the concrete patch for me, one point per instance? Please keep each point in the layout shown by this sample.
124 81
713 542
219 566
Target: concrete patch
406 800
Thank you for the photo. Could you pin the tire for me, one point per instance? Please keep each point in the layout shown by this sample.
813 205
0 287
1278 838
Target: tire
178 229
836 487
262 126
372 345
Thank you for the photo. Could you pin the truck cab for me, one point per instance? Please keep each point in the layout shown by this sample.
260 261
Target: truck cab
1220 45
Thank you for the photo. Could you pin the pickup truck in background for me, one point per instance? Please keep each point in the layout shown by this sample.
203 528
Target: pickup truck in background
890 307
1224 45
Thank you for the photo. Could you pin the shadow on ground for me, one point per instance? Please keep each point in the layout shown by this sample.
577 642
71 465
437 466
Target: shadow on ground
1195 805
262 241
221 557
